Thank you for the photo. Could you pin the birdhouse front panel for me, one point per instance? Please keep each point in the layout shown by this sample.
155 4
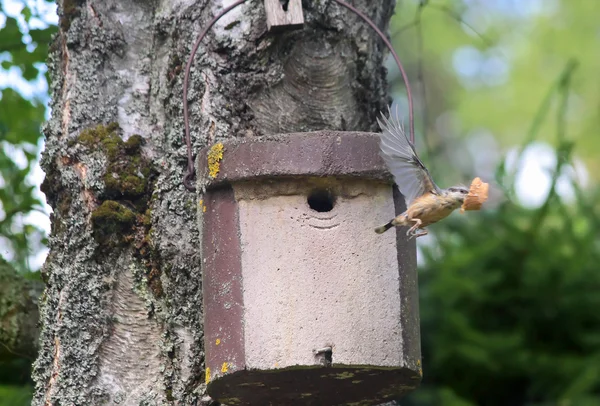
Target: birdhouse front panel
303 302
314 279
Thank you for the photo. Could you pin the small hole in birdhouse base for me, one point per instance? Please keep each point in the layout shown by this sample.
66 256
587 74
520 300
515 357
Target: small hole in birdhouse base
321 200
324 356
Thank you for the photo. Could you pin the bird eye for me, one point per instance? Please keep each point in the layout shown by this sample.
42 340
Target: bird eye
464 191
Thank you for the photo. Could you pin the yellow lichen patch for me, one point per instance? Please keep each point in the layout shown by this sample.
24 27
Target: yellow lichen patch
207 376
215 155
225 367
218 341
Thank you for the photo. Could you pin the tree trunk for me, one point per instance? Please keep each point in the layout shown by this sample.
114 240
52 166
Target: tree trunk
122 312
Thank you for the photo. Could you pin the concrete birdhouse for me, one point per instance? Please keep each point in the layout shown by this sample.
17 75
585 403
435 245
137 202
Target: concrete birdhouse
303 302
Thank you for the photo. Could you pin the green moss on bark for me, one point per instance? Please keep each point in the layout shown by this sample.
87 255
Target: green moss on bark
133 144
127 173
124 219
113 223
101 134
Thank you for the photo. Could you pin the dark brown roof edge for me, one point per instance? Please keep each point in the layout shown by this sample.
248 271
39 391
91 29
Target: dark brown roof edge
320 153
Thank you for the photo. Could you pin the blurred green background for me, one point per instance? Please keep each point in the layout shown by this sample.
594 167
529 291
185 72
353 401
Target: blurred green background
26 28
507 90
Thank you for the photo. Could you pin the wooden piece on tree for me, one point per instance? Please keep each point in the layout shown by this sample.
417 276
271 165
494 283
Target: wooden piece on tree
278 18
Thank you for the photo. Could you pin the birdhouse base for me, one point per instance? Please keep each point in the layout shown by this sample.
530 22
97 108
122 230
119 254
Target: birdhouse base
336 385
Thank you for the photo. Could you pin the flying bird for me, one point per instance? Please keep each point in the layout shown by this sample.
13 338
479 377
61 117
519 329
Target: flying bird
426 203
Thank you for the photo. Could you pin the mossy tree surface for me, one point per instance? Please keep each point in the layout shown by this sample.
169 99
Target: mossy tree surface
121 316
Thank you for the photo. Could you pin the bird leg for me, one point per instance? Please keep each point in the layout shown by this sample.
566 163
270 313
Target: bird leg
422 233
414 227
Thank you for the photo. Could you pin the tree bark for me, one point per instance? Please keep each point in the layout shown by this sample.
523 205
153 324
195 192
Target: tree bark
122 312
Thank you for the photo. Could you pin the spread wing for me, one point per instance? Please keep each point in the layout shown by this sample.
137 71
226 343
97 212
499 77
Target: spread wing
411 176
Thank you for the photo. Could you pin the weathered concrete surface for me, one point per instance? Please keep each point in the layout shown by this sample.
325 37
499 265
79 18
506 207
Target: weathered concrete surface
313 280
224 304
292 265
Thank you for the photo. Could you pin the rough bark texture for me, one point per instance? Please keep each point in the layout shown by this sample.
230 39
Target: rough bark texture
122 313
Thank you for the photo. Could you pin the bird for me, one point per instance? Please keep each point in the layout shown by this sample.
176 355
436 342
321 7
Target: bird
426 203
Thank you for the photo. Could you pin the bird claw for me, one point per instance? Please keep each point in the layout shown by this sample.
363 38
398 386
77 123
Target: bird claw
415 234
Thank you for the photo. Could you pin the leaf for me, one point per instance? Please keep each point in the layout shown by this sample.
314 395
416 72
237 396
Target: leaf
26 13
42 36
10 36
30 72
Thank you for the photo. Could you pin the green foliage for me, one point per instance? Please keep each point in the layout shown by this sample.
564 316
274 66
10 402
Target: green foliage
509 298
20 121
530 40
15 395
509 305
23 49
17 198
24 42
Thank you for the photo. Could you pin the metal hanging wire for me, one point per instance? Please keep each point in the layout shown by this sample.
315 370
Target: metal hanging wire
187 179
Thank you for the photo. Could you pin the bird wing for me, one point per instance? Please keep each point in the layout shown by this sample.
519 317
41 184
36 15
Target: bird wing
411 175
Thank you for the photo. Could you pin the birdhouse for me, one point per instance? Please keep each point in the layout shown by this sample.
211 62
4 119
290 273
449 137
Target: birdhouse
303 302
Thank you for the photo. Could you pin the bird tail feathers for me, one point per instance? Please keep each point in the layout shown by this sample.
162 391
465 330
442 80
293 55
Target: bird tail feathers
382 229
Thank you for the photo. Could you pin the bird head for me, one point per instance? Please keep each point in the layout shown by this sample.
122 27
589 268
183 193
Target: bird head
457 193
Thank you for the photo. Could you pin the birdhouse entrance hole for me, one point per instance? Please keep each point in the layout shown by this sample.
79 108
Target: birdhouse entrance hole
321 200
